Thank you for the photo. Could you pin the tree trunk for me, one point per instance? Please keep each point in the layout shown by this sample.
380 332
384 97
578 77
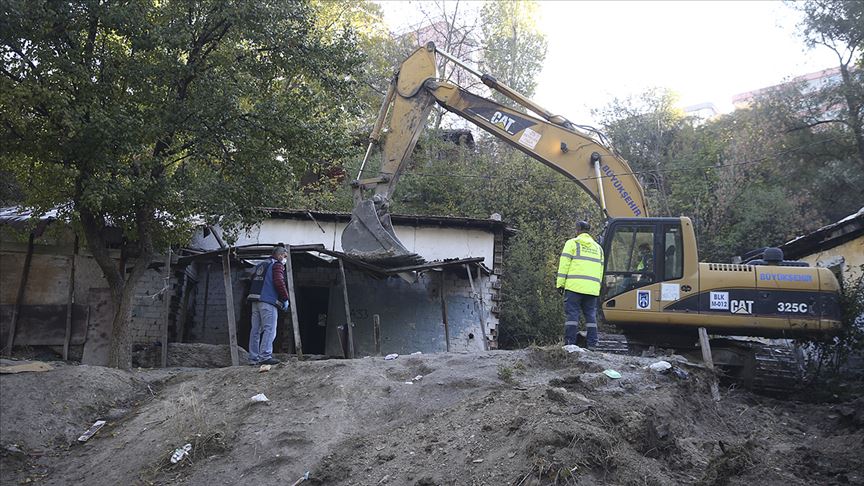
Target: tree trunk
122 289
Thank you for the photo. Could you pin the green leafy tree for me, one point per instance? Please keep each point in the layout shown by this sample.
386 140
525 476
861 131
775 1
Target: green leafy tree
143 114
838 25
513 47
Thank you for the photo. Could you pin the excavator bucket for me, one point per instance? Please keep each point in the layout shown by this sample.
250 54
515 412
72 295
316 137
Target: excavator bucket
369 238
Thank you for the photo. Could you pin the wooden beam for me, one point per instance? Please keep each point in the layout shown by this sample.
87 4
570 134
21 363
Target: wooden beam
347 311
166 307
444 314
295 321
376 329
481 309
229 307
16 311
70 301
709 361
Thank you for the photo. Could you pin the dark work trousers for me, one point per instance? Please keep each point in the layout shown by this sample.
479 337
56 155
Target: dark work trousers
575 302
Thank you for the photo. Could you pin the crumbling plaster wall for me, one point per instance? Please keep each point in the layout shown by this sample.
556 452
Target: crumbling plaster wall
432 243
850 255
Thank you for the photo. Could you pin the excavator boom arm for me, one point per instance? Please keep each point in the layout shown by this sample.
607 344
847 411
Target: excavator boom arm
551 140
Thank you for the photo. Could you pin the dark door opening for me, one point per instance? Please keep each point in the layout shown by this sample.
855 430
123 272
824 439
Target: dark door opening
312 303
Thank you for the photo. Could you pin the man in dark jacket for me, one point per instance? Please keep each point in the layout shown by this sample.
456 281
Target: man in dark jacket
268 293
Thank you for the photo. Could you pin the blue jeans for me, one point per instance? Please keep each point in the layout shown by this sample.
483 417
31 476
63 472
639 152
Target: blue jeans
264 318
574 303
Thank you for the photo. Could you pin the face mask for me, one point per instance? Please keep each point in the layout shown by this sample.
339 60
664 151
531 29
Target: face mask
284 261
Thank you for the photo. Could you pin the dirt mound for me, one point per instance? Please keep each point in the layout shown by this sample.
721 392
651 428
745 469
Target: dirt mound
188 355
538 416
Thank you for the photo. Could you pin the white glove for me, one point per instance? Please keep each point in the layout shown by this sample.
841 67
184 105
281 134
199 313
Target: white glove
286 305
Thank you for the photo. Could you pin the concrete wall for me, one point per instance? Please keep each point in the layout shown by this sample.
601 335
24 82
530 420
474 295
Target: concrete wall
850 257
432 243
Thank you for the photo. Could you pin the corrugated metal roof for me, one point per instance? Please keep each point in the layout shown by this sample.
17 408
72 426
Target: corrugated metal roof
417 220
23 219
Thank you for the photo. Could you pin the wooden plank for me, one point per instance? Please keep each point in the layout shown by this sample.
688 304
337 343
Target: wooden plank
20 298
444 314
376 329
100 316
481 309
295 321
71 301
229 307
347 311
709 361
166 308
45 325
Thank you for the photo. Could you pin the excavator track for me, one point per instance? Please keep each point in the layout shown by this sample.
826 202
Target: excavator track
777 370
762 368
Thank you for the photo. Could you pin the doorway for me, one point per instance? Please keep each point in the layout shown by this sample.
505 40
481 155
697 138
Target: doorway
312 304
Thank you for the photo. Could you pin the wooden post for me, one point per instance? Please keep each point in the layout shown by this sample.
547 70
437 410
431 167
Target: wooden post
70 302
229 305
480 307
347 310
709 361
206 295
16 311
289 276
166 305
376 329
444 314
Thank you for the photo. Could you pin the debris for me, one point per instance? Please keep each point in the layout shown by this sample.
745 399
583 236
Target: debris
391 356
305 477
260 398
13 449
409 382
180 453
660 366
418 378
33 366
612 374
511 455
557 394
679 373
91 431
572 348
477 461
415 353
264 368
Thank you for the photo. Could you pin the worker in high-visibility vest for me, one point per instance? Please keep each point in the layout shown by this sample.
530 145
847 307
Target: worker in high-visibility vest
580 272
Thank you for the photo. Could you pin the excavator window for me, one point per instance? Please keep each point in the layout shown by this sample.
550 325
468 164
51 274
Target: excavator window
630 258
673 256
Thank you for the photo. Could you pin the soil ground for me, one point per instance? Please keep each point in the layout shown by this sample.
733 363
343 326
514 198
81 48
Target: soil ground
527 417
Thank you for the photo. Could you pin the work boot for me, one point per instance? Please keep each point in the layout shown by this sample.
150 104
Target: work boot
269 361
593 339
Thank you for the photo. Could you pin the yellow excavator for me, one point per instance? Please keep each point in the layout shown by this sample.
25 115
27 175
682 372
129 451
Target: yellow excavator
655 289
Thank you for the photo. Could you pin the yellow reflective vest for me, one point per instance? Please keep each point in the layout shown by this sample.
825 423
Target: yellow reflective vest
580 268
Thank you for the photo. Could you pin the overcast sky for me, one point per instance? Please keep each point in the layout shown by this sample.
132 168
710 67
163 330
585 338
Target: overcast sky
704 51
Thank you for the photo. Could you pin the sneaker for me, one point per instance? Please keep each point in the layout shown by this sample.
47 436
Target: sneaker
269 361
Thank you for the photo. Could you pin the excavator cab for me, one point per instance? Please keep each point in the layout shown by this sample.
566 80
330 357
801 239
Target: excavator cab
641 252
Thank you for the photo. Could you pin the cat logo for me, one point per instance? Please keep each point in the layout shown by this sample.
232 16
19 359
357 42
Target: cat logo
741 306
502 121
